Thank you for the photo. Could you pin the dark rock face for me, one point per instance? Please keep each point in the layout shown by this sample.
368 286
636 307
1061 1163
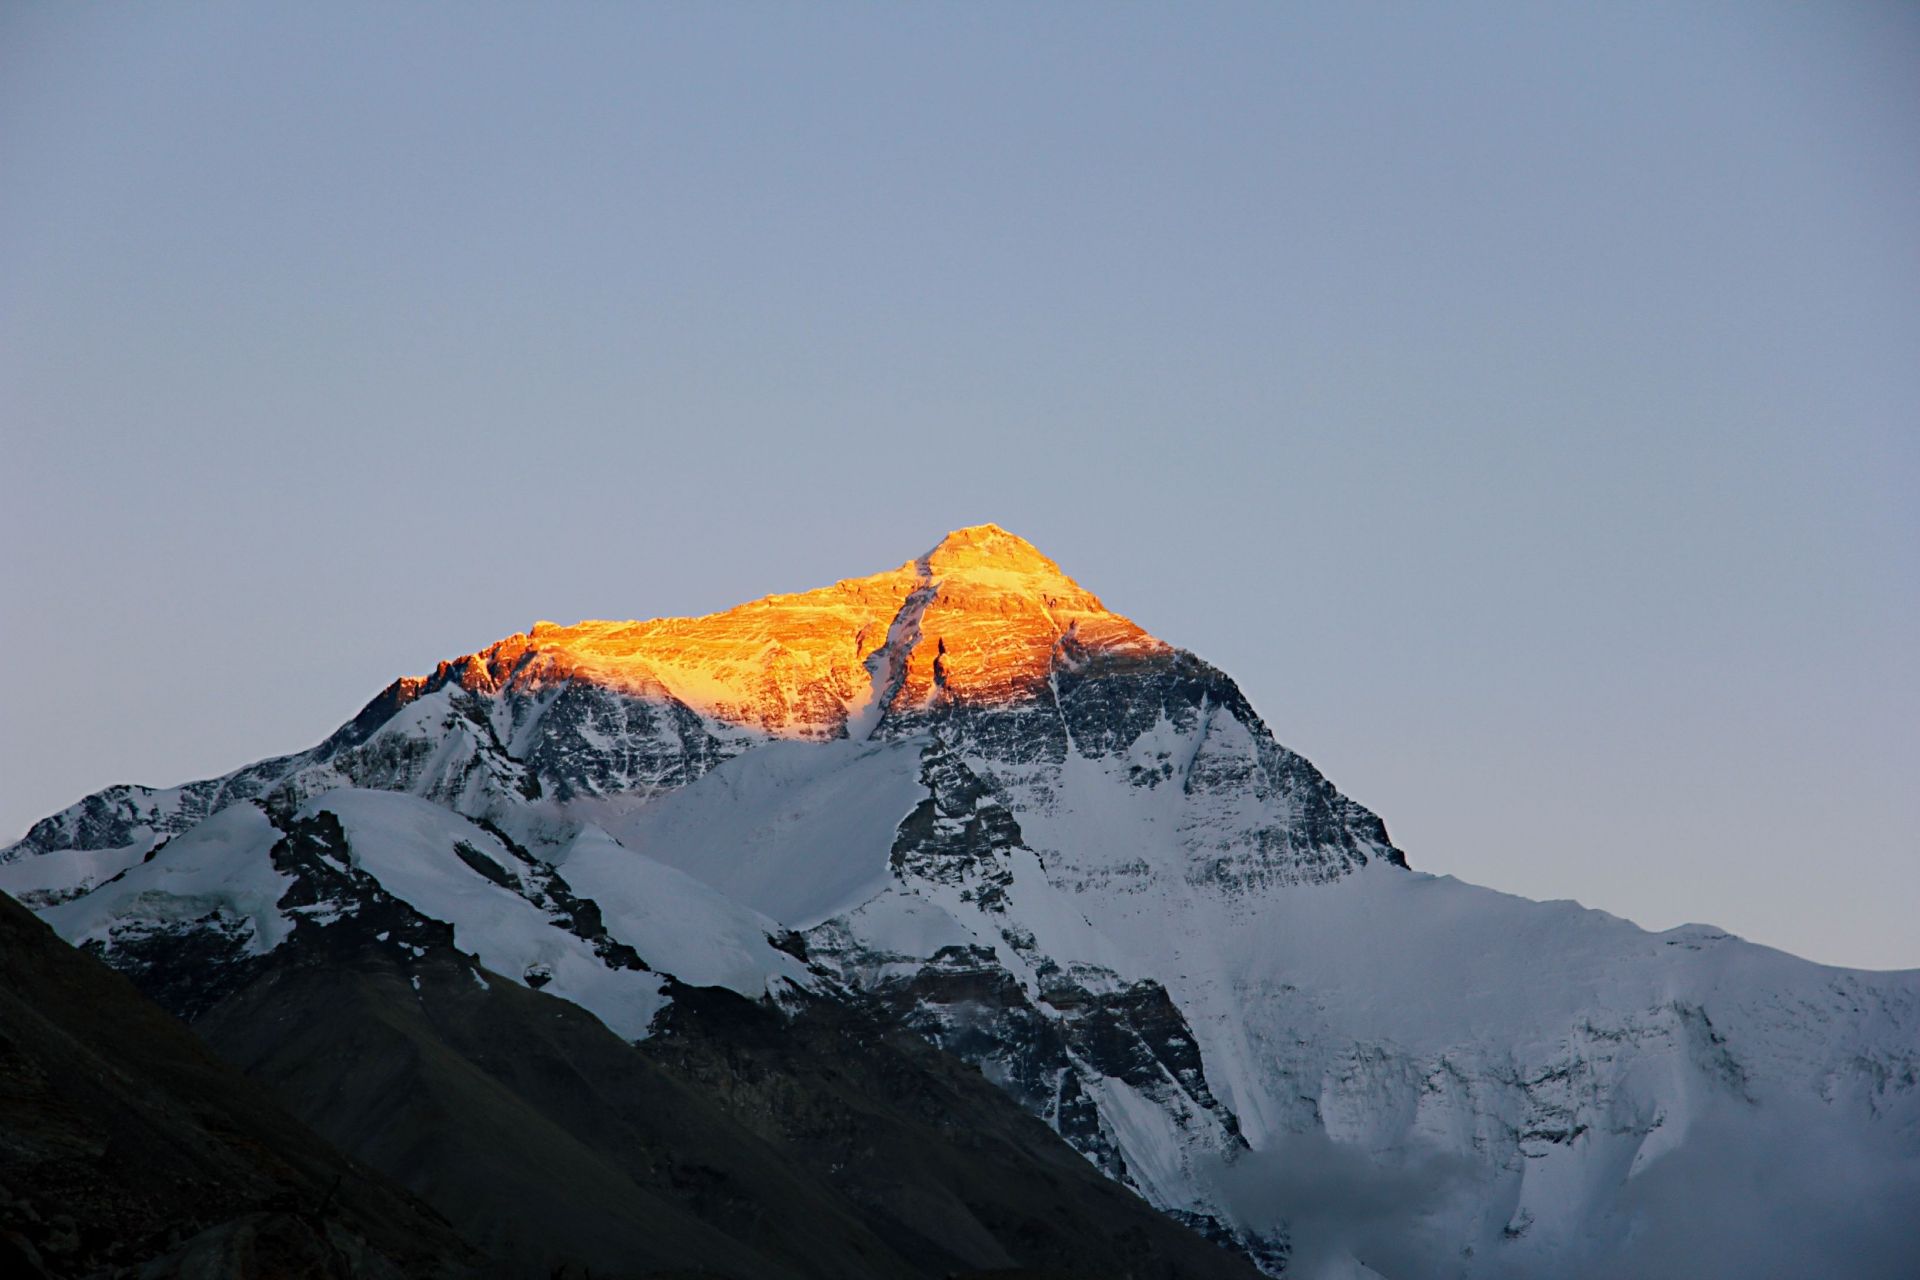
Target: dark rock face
129 814
334 903
591 741
1053 1054
958 835
1103 705
1028 730
543 885
1051 1060
967 1003
542 1136
1137 1035
185 966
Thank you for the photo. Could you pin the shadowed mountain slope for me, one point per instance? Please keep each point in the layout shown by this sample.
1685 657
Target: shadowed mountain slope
734 1141
125 1144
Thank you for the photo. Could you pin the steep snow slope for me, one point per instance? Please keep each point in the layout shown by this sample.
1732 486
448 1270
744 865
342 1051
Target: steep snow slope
238 885
1075 856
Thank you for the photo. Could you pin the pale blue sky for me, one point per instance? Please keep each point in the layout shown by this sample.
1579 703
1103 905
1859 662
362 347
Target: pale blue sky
1522 402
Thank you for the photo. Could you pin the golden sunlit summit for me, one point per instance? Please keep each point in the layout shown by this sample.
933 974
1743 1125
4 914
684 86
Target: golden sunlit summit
983 616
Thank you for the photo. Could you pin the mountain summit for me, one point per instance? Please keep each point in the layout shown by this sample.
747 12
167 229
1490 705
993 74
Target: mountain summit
963 800
981 617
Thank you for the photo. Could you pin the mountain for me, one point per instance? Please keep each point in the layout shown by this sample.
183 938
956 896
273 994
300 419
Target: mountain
964 800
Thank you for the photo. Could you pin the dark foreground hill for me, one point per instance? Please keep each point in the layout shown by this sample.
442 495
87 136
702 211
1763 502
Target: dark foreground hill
127 1147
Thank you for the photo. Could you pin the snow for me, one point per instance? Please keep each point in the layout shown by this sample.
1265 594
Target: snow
1158 1159
677 924
797 831
67 872
887 665
901 923
1405 1015
408 845
222 865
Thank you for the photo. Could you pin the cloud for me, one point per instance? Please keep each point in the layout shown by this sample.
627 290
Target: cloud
1335 1203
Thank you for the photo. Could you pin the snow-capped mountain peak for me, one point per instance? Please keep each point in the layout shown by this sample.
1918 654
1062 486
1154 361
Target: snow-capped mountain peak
964 793
982 616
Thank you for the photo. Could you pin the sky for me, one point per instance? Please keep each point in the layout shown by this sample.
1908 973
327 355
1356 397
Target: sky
1521 401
